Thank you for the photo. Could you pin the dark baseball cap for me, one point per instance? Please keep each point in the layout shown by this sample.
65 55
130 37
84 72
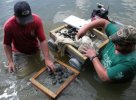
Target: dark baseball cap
23 12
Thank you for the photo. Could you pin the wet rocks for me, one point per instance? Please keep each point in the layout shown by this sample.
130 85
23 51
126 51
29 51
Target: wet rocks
54 82
60 75
69 32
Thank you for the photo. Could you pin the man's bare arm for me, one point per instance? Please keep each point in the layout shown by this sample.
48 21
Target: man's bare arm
45 50
94 24
101 71
8 52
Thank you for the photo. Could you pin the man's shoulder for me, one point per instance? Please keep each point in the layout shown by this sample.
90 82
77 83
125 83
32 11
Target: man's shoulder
37 20
112 28
9 22
36 17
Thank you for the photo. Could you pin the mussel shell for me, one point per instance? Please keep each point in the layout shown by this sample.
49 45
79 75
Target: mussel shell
52 77
70 72
66 75
65 70
58 67
58 77
54 82
60 73
61 81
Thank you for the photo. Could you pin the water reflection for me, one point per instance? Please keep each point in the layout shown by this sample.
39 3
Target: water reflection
129 7
82 4
7 95
124 12
7 87
61 15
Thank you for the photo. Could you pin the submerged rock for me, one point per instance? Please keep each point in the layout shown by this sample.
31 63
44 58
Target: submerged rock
66 75
61 81
54 82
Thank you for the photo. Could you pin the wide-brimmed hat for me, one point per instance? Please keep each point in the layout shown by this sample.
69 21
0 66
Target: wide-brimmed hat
126 35
23 12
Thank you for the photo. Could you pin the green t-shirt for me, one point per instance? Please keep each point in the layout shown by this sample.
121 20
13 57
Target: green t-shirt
118 66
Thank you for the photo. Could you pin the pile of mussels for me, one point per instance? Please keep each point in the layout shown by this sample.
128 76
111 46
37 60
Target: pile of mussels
69 33
60 75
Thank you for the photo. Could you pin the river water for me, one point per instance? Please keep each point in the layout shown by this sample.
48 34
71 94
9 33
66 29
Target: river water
87 86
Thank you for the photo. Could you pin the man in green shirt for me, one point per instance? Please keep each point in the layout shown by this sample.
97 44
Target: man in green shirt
118 57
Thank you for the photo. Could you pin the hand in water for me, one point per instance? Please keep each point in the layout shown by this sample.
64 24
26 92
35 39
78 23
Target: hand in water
11 67
50 65
81 32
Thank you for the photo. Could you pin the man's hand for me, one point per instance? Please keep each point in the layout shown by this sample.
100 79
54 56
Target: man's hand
50 65
81 33
89 52
11 67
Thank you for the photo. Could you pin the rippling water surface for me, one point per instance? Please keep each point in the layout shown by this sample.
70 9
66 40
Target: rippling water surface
87 86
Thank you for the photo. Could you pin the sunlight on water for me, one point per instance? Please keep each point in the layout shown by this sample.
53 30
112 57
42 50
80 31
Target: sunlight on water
61 15
82 4
129 4
9 1
9 92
